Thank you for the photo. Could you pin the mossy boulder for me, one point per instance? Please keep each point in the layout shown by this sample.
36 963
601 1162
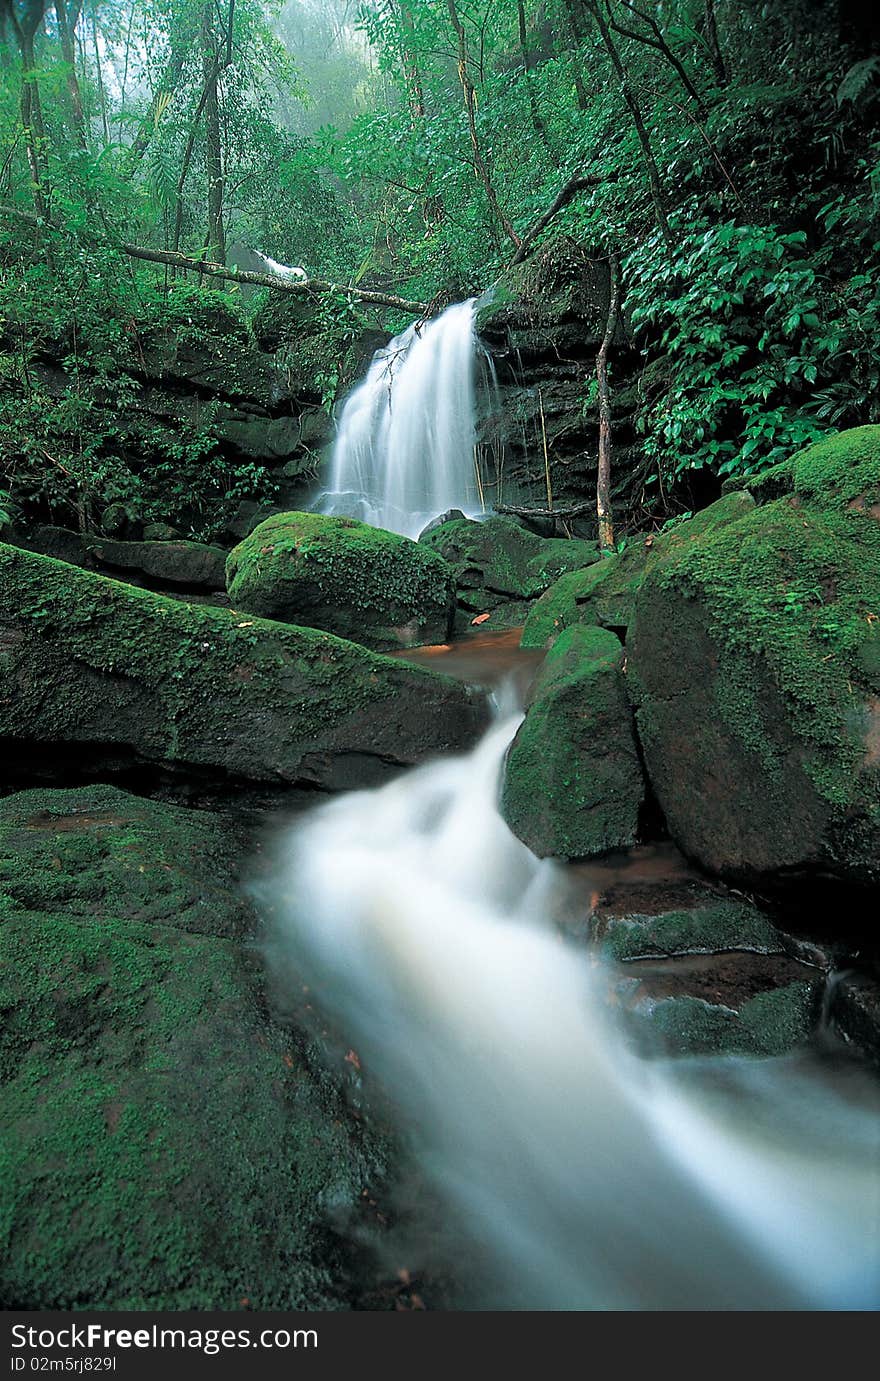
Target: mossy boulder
573 785
166 1144
89 662
500 567
359 582
840 473
753 663
605 593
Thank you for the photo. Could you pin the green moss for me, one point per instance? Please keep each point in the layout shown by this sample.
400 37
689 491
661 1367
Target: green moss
605 593
771 1023
749 668
359 582
163 1148
497 561
97 851
723 925
573 785
200 686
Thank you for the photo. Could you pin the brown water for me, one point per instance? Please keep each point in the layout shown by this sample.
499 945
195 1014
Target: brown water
481 659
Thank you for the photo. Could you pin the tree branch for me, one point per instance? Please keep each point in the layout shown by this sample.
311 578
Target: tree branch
301 287
566 194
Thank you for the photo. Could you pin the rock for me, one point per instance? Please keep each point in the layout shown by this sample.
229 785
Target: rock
854 1012
359 582
753 665
167 1144
166 563
708 974
573 784
163 563
452 515
543 323
500 566
605 592
98 852
159 532
97 665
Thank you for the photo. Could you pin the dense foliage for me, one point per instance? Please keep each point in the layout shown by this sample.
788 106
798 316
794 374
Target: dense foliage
729 155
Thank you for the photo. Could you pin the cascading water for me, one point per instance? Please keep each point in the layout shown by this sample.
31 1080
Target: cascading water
404 449
590 1178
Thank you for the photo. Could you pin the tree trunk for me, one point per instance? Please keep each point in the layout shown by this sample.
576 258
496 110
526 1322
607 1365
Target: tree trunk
711 30
470 102
67 17
32 123
603 476
102 97
411 73
213 143
538 124
576 36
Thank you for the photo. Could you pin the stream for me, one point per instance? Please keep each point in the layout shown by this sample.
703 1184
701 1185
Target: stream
579 1175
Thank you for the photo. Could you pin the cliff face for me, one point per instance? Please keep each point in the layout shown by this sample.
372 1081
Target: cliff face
542 325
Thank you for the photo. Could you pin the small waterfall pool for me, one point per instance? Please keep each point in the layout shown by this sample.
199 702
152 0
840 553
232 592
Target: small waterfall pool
580 1176
405 447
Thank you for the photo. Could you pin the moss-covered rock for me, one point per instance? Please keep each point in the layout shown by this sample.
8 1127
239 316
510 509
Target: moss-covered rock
165 1144
98 852
841 472
573 784
500 567
359 582
605 593
88 661
752 664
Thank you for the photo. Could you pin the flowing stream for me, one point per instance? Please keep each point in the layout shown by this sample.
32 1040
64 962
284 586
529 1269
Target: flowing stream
583 1176
589 1179
406 436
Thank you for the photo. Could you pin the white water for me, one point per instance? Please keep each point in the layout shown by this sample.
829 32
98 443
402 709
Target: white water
590 1180
404 449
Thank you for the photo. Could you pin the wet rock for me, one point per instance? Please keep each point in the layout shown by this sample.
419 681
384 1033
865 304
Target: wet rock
500 567
573 784
854 1012
359 582
751 664
694 969
93 664
168 1145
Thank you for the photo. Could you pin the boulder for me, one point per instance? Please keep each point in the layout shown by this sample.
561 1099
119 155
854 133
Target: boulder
754 664
573 784
359 582
167 1145
605 592
95 665
500 567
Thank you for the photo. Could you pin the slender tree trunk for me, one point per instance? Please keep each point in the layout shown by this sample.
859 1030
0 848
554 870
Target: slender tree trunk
656 40
32 123
102 97
538 124
470 102
213 141
67 17
603 476
710 26
629 96
576 37
411 73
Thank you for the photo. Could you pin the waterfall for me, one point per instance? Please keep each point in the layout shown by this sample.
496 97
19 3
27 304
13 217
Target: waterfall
406 436
589 1178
